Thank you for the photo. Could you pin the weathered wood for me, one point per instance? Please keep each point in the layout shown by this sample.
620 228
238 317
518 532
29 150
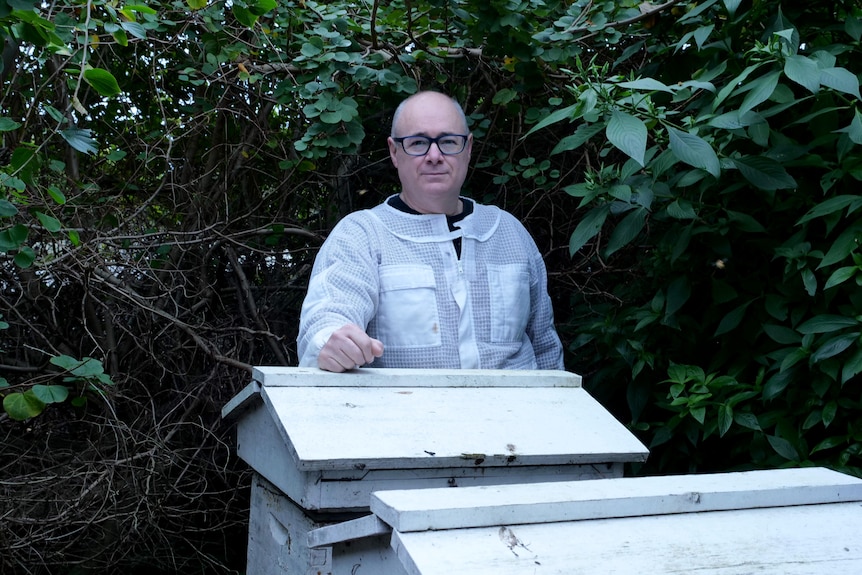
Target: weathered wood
321 443
425 427
438 509
348 531
328 447
800 540
277 376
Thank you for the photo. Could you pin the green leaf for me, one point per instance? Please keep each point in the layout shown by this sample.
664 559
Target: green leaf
197 4
781 334
628 134
733 85
730 321
793 358
588 227
646 85
777 383
834 204
844 245
829 443
261 7
840 79
803 71
783 447
694 151
140 8
627 230
827 323
87 367
764 173
8 124
678 293
731 6
681 209
725 419
51 393
747 419
25 257
12 182
568 113
840 276
761 89
50 223
854 130
57 195
582 134
80 139
830 410
835 345
7 209
22 406
853 27
809 280
852 366
121 37
504 96
135 30
102 81
733 121
745 222
245 17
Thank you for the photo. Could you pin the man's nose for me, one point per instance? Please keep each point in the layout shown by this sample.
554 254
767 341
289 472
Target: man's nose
434 154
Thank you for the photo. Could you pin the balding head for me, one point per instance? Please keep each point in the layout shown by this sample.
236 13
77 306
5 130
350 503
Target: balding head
430 99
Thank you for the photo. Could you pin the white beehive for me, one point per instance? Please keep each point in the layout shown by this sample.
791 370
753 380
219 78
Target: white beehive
778 522
321 443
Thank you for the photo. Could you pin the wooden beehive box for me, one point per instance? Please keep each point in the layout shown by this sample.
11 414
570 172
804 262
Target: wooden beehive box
328 440
321 443
778 522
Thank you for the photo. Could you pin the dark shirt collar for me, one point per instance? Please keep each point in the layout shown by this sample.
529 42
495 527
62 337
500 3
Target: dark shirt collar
400 205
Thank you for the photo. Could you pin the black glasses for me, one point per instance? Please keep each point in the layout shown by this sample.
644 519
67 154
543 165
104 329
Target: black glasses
448 144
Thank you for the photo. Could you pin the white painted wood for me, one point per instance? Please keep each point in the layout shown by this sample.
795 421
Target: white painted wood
330 490
421 510
798 540
273 548
347 531
424 428
238 403
278 376
261 442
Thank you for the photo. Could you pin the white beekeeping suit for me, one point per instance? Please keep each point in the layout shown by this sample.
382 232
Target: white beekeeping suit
399 276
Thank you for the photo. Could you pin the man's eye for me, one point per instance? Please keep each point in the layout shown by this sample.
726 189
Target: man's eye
417 143
449 142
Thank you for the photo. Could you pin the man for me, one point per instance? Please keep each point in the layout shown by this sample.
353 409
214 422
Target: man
429 279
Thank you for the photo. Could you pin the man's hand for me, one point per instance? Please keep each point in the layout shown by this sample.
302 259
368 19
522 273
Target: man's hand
348 347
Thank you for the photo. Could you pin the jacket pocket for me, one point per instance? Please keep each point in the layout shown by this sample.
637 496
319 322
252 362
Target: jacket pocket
407 309
509 286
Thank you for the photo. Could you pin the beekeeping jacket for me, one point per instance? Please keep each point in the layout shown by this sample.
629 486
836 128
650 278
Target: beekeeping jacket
400 277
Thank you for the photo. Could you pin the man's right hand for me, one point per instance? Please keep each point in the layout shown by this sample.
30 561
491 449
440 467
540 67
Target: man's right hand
348 347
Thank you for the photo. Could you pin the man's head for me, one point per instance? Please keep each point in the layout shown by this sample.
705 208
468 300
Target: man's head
430 181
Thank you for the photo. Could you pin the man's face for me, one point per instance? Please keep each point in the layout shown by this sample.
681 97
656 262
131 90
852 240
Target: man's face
434 177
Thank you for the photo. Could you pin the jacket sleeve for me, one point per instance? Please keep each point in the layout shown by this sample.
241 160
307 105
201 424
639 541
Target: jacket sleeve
540 327
343 288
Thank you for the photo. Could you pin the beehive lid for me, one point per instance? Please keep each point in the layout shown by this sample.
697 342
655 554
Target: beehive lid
791 521
415 419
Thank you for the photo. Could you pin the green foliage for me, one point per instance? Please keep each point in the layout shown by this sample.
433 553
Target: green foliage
78 376
167 171
735 196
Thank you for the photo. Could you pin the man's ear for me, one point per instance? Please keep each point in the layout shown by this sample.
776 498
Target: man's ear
392 151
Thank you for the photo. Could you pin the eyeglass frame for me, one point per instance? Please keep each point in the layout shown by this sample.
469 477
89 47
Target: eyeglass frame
433 141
